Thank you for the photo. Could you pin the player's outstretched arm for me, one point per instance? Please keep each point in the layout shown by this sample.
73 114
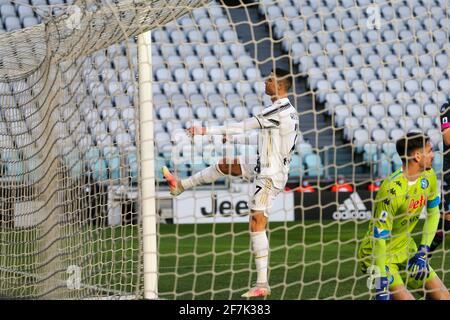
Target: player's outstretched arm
231 129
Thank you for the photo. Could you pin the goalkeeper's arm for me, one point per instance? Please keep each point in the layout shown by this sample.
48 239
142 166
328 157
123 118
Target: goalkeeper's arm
379 251
382 282
385 208
431 222
433 215
418 264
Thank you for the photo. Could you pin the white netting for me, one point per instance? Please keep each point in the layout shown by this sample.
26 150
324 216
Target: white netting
365 73
70 221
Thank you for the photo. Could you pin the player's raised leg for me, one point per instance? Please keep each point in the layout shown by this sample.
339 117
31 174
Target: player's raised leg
205 176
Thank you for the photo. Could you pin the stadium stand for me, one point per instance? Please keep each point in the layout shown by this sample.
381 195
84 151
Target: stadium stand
381 91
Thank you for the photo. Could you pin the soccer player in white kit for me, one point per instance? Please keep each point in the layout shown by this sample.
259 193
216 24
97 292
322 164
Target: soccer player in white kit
279 127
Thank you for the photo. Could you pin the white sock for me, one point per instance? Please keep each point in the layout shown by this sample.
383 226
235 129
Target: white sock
207 175
260 246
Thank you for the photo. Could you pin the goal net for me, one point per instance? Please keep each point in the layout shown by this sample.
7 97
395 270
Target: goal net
366 73
71 226
70 219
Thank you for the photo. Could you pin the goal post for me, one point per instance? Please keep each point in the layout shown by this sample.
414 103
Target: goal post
147 165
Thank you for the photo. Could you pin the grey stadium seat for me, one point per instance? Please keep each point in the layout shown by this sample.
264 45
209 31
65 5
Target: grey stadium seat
395 111
350 125
388 123
378 111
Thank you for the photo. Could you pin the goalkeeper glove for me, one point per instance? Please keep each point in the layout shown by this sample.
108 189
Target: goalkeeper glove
418 265
382 292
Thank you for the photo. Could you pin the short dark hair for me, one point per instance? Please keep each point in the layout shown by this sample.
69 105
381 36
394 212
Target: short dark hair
410 143
285 76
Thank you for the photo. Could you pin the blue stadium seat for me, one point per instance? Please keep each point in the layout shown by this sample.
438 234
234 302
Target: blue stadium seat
396 161
370 152
112 157
73 162
132 167
304 149
33 168
13 164
438 162
297 168
96 165
386 165
314 165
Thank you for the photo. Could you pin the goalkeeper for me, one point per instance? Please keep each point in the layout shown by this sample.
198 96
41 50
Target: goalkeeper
388 245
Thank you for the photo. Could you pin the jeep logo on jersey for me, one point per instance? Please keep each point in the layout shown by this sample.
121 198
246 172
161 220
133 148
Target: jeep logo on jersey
353 208
424 183
414 204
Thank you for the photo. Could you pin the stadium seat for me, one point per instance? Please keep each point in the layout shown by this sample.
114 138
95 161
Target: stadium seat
389 148
370 153
385 166
304 149
360 112
384 73
350 125
395 111
444 85
29 21
396 161
435 136
132 166
341 112
431 110
438 162
96 165
379 136
296 168
396 134
314 165
73 161
406 123
424 123
360 138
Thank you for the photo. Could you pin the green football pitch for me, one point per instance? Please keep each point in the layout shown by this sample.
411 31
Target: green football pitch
309 260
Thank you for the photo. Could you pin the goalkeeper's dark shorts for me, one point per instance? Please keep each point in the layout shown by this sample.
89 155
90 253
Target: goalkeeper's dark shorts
446 197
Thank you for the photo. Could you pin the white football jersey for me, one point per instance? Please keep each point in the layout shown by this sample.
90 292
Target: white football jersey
277 139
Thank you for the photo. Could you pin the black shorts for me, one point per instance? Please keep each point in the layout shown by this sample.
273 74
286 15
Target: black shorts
446 196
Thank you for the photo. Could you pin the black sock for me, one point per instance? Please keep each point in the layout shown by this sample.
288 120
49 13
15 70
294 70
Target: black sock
437 240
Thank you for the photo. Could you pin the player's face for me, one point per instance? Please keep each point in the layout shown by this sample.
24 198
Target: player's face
271 85
427 156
